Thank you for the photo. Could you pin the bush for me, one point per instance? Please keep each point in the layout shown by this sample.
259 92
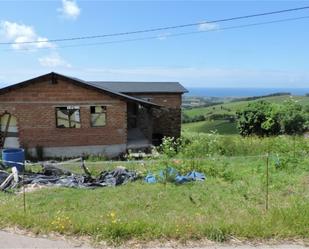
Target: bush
258 118
292 118
264 119
170 146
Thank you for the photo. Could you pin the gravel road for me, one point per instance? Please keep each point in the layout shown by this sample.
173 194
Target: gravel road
12 240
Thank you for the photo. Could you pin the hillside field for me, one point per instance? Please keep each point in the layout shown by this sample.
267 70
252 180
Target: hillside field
223 127
230 108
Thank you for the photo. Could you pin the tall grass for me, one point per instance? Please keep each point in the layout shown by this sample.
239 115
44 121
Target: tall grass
200 145
231 202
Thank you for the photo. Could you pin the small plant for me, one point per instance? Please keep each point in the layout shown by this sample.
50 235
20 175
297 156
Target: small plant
216 234
61 223
170 146
168 174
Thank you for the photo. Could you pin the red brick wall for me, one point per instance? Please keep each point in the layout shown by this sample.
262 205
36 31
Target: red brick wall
34 107
166 121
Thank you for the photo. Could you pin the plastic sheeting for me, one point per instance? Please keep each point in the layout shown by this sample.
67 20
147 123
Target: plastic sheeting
53 176
172 174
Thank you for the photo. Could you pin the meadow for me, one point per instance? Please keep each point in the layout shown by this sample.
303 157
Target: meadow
233 107
224 126
230 203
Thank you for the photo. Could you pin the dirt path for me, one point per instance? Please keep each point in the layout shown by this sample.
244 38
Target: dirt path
11 240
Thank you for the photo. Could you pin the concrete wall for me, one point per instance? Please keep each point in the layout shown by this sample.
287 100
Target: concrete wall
75 151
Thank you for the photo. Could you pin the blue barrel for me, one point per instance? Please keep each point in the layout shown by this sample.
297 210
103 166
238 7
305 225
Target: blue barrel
14 158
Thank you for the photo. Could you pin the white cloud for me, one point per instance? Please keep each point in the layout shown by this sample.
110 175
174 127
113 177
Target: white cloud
54 60
205 26
20 33
70 9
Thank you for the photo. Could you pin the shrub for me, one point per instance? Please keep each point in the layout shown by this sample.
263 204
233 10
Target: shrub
170 146
264 119
292 118
259 119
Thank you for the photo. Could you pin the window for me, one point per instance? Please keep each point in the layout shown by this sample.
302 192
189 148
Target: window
98 116
68 117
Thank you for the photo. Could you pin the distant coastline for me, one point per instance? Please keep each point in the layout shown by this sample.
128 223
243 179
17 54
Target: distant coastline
242 92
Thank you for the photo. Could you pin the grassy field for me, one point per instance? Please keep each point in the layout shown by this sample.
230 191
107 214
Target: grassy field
232 107
223 127
231 202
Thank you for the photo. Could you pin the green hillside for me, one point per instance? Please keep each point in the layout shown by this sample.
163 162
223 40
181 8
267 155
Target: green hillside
232 107
224 126
220 126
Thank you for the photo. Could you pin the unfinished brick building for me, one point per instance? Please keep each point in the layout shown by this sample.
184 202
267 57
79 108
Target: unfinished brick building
69 117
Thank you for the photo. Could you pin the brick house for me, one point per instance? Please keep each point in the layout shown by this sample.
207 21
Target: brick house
68 117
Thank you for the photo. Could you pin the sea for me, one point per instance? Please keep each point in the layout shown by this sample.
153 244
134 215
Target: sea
243 92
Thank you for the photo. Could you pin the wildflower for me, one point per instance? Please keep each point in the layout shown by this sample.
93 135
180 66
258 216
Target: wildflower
113 214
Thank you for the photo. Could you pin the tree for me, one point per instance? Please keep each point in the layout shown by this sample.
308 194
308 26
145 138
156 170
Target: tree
258 118
293 118
265 119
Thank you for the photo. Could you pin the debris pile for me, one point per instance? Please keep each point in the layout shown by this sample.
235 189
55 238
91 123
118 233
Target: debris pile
54 176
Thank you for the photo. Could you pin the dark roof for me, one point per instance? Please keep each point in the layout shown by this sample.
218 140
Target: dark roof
88 83
80 82
140 87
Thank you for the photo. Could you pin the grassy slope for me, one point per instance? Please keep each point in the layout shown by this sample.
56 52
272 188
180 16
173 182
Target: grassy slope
230 202
221 126
225 127
235 106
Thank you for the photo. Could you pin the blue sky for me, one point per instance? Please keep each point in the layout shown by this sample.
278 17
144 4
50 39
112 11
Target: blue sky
274 55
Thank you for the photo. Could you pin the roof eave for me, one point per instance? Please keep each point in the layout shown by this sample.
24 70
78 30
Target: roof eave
80 83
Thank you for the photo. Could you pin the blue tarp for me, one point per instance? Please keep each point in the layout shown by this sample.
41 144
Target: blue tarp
173 173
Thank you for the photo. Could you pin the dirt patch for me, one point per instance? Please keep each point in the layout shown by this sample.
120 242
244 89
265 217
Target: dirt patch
14 238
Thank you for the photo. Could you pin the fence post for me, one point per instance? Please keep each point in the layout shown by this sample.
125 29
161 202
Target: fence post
267 182
24 192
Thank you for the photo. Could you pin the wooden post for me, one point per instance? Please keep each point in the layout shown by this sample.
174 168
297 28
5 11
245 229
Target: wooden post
267 182
24 192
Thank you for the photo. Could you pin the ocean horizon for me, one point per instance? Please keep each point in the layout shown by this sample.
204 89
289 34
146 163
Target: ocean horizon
243 92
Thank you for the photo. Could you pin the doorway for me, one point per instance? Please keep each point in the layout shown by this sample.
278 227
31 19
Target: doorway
9 131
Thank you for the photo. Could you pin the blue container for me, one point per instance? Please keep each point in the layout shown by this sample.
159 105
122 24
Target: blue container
14 158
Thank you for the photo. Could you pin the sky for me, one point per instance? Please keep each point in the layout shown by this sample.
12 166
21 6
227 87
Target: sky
272 55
